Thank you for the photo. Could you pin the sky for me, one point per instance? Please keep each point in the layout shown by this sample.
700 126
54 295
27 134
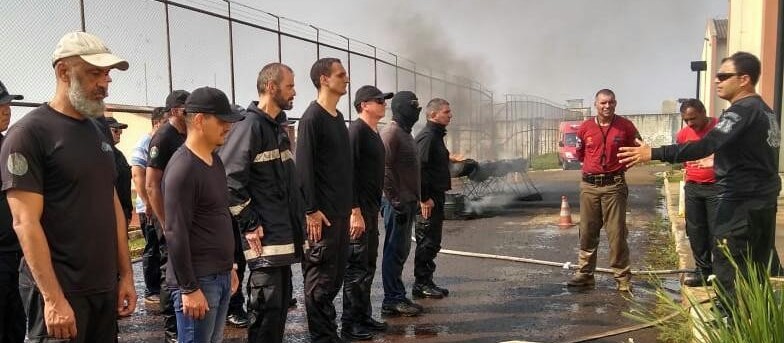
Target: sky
556 49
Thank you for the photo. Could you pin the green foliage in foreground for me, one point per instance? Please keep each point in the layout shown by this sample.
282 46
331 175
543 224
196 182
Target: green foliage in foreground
757 314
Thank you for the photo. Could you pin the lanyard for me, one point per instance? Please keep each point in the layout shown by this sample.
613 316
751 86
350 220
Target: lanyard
604 140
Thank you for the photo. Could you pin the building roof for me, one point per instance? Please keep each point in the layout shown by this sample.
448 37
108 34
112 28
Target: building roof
720 28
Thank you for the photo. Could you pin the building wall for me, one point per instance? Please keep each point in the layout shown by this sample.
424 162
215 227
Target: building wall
713 50
753 28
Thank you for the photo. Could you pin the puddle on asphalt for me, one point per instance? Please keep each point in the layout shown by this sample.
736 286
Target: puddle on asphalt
425 330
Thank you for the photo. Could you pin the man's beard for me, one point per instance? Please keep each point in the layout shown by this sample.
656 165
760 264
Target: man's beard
88 108
281 102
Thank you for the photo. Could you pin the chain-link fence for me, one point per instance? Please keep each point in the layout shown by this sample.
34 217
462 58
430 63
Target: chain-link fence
185 44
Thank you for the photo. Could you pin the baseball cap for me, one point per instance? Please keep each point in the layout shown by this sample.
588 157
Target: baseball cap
113 123
176 99
367 93
6 97
90 48
212 101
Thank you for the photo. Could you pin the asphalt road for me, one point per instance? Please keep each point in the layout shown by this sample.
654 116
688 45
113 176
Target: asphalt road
493 300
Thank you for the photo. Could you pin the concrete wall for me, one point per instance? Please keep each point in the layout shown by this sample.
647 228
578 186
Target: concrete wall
657 129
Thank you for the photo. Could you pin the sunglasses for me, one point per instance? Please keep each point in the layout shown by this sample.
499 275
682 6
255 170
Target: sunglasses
724 76
379 101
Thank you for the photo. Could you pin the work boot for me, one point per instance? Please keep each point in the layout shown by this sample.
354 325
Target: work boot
152 299
375 325
695 280
624 285
443 290
426 291
170 337
238 319
355 332
581 280
402 308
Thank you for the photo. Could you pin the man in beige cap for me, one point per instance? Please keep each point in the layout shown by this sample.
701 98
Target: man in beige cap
58 172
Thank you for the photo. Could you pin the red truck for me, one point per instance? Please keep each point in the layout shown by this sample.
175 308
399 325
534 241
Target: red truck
567 144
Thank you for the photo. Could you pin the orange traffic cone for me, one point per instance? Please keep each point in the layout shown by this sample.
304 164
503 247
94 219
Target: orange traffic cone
565 221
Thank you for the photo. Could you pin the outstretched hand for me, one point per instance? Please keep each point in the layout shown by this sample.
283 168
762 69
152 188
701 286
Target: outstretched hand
633 155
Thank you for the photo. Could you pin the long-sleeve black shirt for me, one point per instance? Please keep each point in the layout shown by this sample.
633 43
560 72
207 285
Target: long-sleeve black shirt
368 151
745 142
434 158
324 162
198 224
401 168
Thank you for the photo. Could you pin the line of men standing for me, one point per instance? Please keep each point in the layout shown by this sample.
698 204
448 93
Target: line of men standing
276 212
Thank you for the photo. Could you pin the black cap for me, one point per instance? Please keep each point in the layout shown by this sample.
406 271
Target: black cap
212 101
5 97
176 99
113 123
367 93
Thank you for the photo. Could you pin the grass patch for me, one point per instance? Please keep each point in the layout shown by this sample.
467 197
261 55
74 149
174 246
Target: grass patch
545 161
136 246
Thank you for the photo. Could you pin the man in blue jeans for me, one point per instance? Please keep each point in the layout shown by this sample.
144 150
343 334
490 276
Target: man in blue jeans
399 206
198 224
151 257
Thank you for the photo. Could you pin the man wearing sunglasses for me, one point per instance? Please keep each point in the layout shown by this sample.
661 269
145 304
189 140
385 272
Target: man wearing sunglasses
745 145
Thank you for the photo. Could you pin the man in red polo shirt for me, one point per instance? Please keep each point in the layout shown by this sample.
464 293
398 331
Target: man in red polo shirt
700 190
603 191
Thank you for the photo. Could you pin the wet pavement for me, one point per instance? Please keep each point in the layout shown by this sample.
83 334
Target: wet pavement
492 300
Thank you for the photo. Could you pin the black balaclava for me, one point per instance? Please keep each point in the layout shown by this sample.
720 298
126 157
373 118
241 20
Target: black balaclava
405 109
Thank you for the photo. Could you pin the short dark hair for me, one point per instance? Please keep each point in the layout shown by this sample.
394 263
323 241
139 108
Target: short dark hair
322 67
604 91
270 72
693 103
745 64
157 115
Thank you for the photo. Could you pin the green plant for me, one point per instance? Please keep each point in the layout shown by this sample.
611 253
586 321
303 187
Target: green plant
545 161
756 311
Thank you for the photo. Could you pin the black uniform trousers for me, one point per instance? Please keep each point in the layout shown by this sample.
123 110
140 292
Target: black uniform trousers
96 314
323 268
167 302
12 316
428 241
269 291
747 228
151 256
361 268
701 203
237 299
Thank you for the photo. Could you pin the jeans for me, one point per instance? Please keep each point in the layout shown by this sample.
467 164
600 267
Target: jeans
217 290
151 257
701 202
398 223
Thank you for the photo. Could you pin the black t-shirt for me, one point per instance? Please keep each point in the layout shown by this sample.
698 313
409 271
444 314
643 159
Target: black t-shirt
68 162
745 142
368 152
198 224
8 241
123 185
163 144
324 162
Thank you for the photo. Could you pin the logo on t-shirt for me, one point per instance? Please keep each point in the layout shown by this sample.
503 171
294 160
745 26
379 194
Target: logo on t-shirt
17 164
727 121
106 147
154 152
774 133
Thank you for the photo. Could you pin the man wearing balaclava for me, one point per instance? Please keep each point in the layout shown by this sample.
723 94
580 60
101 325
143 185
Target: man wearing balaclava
399 205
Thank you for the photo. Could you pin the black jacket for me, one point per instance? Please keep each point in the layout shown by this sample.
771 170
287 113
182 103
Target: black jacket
263 186
434 160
